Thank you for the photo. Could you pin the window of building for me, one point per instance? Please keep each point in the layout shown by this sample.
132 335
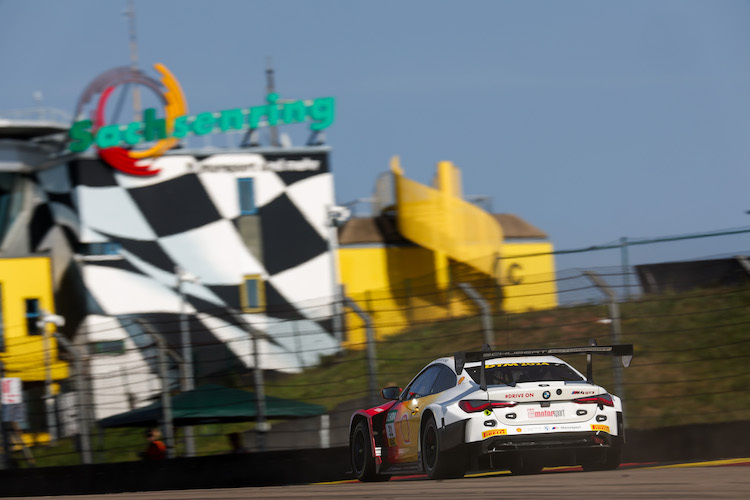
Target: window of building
33 315
252 294
101 248
246 196
108 347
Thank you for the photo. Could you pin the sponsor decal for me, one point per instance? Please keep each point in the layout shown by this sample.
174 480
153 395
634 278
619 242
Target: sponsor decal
519 395
488 412
252 163
600 427
390 427
494 432
532 413
378 410
583 392
566 428
519 429
115 141
500 365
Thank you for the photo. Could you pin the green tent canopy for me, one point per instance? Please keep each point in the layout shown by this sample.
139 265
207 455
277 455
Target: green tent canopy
212 404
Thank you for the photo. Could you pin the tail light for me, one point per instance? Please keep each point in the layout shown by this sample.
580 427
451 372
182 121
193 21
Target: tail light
477 405
601 399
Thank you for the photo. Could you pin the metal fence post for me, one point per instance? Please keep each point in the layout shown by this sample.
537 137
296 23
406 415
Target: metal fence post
261 424
84 430
614 316
484 307
371 357
187 353
167 421
4 449
409 306
625 265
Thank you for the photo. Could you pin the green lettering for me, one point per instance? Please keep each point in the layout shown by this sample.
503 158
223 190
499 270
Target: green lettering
81 136
203 123
256 112
321 111
153 128
132 133
108 137
181 127
294 112
231 119
273 110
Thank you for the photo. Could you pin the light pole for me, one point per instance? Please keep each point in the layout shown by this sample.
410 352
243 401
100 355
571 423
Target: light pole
186 379
55 321
335 217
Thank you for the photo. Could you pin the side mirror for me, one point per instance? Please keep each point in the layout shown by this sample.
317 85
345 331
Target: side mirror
390 393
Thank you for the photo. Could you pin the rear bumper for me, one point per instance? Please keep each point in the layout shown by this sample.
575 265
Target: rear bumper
547 441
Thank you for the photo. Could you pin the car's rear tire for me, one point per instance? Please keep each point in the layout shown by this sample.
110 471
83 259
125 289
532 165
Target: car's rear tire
611 461
437 464
360 452
526 466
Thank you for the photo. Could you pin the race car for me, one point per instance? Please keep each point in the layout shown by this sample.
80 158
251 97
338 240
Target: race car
520 410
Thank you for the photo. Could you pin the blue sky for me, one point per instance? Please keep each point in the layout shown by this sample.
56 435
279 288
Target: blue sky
593 120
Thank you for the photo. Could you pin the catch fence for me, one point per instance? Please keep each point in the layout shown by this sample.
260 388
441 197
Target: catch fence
690 337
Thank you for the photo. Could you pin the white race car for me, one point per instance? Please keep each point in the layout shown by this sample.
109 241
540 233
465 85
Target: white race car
520 410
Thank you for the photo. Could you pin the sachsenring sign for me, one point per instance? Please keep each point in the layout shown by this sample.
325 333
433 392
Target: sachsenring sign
115 142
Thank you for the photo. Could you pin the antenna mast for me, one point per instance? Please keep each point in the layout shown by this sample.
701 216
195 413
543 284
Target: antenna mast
271 88
130 14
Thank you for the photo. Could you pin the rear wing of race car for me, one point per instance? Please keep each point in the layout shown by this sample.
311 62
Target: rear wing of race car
623 351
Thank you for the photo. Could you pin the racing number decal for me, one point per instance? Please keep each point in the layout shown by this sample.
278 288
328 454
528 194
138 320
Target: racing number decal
390 428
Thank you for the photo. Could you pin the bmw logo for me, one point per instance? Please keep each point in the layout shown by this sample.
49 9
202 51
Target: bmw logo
546 394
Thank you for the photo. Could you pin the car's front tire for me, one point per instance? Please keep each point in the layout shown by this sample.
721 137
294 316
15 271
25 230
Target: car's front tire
437 464
360 450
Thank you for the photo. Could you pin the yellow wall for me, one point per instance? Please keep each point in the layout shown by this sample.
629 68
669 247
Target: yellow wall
22 278
385 282
440 219
527 282
454 242
399 287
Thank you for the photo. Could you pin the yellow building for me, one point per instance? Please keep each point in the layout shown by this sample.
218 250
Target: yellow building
403 266
25 295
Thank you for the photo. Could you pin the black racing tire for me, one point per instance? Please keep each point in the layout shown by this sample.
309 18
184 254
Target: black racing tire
437 464
611 461
360 452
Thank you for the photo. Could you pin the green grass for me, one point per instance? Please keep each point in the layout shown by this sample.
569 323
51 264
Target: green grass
690 365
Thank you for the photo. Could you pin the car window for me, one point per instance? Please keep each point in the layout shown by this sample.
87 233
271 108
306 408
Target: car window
513 373
445 380
421 385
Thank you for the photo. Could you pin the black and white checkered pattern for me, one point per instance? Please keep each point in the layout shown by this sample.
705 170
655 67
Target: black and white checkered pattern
188 216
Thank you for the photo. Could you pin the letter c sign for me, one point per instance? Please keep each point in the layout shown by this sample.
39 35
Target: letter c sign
512 274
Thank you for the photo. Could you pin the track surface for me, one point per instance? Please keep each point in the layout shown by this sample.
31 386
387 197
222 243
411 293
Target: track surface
717 479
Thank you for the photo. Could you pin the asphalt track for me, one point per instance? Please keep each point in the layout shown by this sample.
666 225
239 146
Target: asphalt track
716 479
